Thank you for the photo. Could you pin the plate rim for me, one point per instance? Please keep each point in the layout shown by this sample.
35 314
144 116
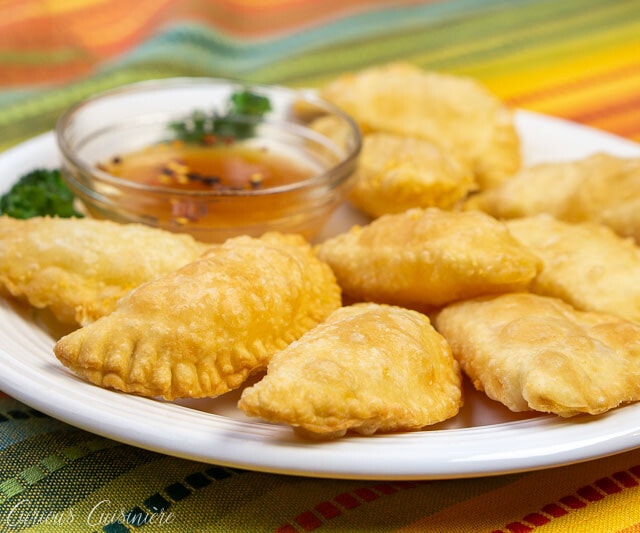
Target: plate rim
259 446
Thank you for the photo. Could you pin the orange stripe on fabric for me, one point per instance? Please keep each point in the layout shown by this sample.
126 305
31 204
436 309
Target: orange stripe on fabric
530 73
98 29
580 83
607 100
623 124
548 500
18 11
124 25
620 115
235 18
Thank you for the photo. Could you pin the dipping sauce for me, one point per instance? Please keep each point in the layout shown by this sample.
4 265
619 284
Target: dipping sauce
195 167
209 157
182 174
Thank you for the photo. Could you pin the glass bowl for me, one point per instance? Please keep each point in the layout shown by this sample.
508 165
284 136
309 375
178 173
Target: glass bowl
299 126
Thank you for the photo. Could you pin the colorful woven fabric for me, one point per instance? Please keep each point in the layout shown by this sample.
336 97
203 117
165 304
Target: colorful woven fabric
577 59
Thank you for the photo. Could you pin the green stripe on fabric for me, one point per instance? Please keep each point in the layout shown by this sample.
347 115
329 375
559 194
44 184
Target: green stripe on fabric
240 57
19 422
31 451
545 40
458 45
159 496
39 57
50 464
443 36
180 495
52 484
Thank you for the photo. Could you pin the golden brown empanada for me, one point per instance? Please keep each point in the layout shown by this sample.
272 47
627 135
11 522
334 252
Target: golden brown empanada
201 330
457 113
426 258
533 352
79 268
599 188
367 368
397 173
586 264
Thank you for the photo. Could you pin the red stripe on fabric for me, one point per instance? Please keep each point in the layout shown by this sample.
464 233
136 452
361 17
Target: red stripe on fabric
287 529
347 501
573 502
554 510
571 86
518 527
536 519
308 521
625 479
328 510
366 494
589 493
608 485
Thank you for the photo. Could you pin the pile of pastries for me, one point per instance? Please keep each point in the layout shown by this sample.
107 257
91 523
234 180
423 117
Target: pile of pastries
524 279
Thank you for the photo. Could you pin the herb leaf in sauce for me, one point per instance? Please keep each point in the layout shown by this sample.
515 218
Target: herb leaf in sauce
243 112
40 192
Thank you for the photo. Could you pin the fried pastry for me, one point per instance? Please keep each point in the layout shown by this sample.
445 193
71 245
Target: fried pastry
533 352
457 113
397 173
201 330
600 188
585 264
426 258
368 368
79 268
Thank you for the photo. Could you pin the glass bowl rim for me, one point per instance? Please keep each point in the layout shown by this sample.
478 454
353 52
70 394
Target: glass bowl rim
339 172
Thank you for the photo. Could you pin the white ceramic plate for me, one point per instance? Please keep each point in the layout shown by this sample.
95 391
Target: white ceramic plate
484 439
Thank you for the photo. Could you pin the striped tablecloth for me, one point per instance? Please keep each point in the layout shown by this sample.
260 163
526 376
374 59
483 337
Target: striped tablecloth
576 59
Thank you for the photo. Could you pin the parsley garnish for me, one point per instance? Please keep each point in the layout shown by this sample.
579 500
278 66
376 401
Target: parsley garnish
40 192
244 110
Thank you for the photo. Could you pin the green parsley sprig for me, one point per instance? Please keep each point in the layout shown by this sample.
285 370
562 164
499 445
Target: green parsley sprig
40 192
243 111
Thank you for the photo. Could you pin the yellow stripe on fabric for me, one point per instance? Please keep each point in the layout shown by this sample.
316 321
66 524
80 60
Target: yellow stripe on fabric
594 85
107 32
539 42
576 103
589 497
633 529
64 6
535 73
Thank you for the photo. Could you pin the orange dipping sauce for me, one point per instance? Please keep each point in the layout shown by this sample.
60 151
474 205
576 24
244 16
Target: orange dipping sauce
195 167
